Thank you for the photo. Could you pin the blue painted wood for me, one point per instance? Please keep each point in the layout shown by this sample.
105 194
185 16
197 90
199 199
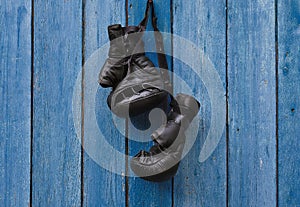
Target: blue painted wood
56 158
289 102
56 166
252 103
144 193
15 96
102 187
202 23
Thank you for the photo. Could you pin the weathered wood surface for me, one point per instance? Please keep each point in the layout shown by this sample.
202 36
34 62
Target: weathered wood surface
203 23
15 98
238 37
288 102
56 158
252 103
102 187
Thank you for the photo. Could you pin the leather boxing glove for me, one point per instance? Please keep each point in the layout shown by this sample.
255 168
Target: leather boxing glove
142 88
162 160
115 66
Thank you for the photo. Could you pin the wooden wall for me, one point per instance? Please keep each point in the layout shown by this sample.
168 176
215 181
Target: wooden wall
254 46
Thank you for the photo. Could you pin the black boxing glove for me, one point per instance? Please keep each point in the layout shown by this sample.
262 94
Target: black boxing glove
162 160
142 89
115 66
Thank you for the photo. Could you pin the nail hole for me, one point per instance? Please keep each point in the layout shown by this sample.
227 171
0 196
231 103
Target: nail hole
293 110
130 6
238 129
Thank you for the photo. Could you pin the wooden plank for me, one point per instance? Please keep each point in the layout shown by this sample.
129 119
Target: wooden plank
252 103
15 99
56 159
102 187
202 23
144 193
288 102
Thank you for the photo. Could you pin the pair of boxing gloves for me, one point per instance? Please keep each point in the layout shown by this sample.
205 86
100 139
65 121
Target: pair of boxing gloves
161 162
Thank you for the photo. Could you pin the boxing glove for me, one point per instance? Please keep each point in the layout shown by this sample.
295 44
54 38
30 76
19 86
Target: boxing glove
115 66
142 89
162 160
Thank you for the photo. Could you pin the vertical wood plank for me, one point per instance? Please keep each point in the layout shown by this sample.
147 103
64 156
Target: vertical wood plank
101 186
252 103
144 193
289 102
15 99
204 24
56 159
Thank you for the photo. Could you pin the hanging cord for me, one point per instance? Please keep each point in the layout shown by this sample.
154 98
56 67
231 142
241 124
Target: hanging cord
126 12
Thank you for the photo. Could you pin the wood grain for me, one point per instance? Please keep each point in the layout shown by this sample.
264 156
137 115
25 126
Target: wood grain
252 103
288 102
56 158
15 98
203 23
240 42
102 187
